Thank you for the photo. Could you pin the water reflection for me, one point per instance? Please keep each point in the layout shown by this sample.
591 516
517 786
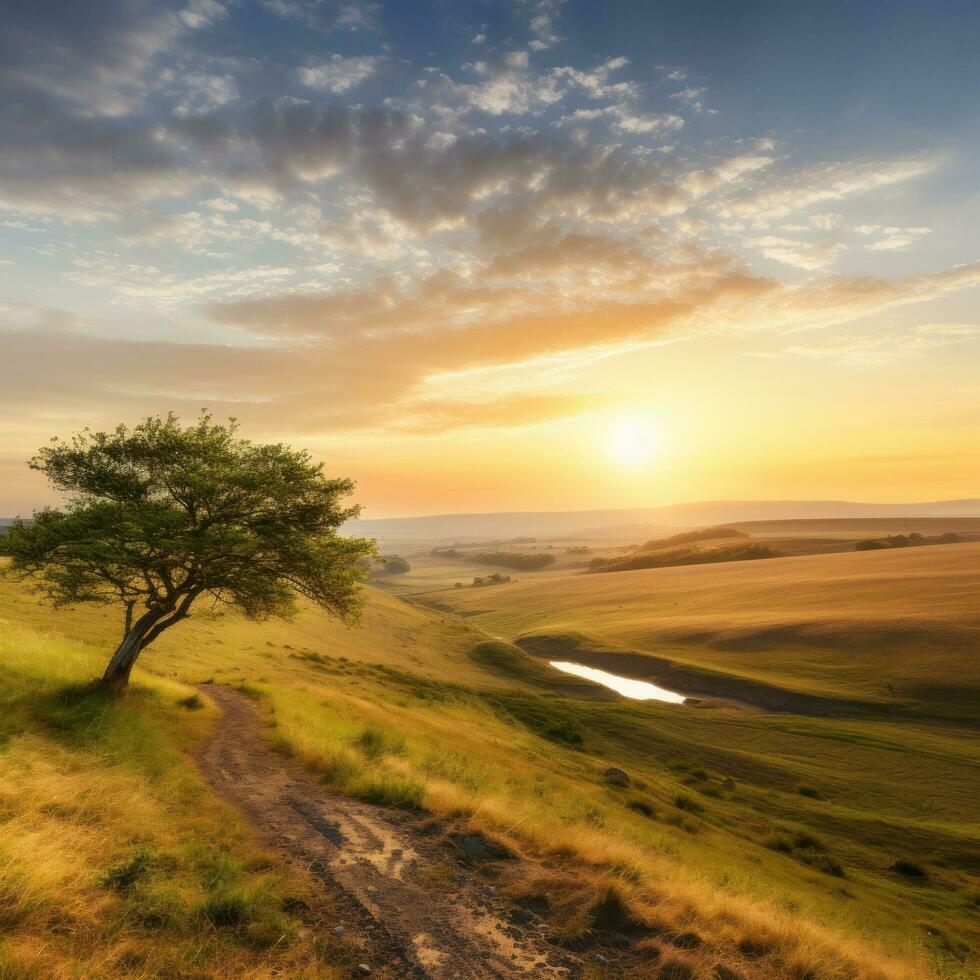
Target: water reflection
627 686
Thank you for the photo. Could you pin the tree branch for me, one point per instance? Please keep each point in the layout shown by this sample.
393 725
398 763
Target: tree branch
183 607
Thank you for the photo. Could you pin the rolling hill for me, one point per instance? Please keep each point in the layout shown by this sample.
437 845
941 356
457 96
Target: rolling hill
405 531
765 841
898 627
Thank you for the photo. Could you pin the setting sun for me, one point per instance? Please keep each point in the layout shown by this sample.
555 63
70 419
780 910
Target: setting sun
634 441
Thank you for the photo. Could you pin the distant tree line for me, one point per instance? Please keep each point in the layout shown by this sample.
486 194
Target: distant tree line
683 556
689 537
381 565
495 579
910 540
505 559
511 559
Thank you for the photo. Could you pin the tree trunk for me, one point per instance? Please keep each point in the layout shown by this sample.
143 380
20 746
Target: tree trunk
116 676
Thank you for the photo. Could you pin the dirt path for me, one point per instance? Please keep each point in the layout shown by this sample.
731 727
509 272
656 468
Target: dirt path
400 894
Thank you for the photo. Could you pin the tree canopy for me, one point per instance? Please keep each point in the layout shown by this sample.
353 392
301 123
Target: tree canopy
161 515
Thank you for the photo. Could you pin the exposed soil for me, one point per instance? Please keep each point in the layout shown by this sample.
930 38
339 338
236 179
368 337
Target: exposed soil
410 901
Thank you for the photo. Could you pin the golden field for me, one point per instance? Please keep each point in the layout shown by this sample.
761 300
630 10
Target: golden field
789 843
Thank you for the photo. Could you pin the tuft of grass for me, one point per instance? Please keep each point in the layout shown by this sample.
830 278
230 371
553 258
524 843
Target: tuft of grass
192 702
612 913
642 807
688 804
909 869
389 790
225 909
124 875
806 848
374 742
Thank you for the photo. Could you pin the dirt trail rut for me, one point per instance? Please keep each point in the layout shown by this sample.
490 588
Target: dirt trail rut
371 864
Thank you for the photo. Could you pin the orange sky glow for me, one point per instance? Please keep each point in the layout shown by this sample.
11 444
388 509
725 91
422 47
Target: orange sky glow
535 262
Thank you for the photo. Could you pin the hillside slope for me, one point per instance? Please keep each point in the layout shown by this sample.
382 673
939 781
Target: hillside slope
115 859
899 627
767 843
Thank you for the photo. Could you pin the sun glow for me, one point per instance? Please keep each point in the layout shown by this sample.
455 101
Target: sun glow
634 441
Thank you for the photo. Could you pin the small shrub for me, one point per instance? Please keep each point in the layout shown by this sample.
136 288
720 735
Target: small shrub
565 732
612 914
387 790
683 802
808 850
225 909
122 876
339 770
374 742
642 807
909 869
780 843
754 949
824 863
675 970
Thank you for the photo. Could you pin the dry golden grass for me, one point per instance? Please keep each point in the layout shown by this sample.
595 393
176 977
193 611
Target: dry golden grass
880 625
402 711
114 859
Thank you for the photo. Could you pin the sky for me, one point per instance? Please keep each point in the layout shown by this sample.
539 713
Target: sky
503 254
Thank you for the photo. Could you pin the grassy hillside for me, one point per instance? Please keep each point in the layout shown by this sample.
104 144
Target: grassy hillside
776 841
114 858
895 627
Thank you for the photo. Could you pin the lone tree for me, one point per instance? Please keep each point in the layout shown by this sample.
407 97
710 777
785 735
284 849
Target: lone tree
160 516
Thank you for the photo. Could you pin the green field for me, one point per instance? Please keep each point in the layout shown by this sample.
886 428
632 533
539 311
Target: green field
115 859
790 843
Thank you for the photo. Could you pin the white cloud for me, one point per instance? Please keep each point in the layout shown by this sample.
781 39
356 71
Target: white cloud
221 204
789 192
895 239
98 63
804 255
544 13
340 74
328 15
202 93
826 222
624 119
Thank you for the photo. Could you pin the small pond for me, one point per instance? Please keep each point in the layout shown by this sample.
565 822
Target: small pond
627 686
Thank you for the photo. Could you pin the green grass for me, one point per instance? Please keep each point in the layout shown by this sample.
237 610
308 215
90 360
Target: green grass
888 628
114 858
418 709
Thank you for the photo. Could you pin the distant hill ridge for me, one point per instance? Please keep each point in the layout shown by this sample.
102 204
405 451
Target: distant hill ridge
641 520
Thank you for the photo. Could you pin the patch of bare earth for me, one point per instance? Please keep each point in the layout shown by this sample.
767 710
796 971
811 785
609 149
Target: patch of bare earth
393 886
